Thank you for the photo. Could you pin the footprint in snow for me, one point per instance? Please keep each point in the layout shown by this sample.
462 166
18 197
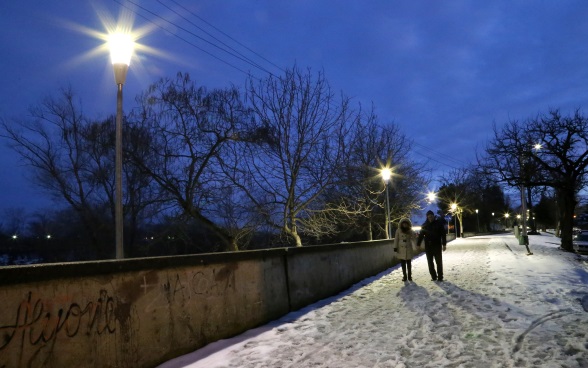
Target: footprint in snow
585 303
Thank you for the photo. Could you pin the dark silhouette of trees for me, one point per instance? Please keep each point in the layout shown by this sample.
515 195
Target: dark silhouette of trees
72 159
550 150
295 154
471 190
358 201
188 128
285 163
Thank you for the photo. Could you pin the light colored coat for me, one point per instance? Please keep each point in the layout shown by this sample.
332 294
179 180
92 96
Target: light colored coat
405 243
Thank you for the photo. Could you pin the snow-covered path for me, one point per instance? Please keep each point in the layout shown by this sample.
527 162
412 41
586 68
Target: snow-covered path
497 308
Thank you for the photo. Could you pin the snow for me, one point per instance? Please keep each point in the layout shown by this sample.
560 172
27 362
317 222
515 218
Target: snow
498 307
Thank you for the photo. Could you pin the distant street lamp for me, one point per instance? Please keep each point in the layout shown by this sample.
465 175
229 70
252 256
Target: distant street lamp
478 220
386 175
121 48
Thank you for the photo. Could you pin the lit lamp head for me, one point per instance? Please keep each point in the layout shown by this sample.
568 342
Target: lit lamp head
386 174
454 207
121 48
432 196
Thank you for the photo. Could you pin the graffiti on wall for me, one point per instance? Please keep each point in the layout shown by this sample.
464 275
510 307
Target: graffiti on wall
37 321
37 329
182 287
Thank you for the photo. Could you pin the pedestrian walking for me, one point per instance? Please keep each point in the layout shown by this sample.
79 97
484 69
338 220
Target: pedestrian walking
404 246
433 233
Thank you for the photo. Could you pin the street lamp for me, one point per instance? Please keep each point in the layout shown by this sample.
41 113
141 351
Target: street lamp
386 175
121 48
478 220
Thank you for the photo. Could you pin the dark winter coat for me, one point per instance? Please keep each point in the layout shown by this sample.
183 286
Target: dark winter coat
404 243
433 233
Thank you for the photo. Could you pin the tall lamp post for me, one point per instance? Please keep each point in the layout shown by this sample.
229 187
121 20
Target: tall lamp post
386 175
478 220
121 49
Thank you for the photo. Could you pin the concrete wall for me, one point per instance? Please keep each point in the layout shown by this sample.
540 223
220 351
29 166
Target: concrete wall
141 312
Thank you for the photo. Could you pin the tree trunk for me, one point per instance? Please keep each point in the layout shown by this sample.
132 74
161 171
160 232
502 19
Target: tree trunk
294 234
233 246
531 219
296 237
567 206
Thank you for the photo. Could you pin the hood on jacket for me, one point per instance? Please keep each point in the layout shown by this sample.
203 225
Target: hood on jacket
404 220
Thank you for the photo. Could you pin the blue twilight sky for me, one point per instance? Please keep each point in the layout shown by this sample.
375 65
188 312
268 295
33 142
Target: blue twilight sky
443 70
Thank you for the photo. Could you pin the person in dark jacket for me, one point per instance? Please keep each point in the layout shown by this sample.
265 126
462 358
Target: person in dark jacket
433 233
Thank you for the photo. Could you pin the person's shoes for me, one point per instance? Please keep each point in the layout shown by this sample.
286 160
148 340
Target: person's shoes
410 279
404 278
440 279
433 279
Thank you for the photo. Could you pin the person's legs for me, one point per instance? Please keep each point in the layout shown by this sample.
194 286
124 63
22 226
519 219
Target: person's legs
439 262
403 264
409 269
430 257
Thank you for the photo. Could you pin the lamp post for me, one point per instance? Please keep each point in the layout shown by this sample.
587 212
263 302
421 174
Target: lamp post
121 49
478 220
386 175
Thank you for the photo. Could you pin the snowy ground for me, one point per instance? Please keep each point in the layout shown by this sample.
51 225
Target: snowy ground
497 308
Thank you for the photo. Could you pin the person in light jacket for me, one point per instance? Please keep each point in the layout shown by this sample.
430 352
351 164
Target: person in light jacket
404 246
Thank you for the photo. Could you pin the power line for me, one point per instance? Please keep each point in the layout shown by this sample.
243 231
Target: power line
226 35
187 41
236 53
179 37
448 157
435 160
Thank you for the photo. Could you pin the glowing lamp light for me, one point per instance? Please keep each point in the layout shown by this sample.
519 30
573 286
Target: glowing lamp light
121 49
453 206
386 174
431 196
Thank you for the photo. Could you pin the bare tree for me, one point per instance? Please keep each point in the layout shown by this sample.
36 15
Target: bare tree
53 145
555 149
359 200
296 154
72 159
189 127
